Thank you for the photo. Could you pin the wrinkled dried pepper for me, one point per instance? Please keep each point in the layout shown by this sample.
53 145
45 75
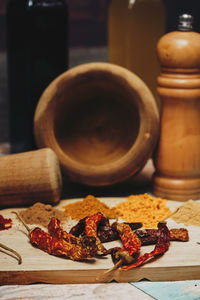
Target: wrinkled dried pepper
79 228
150 236
5 223
105 231
91 228
131 243
56 230
108 233
52 245
88 243
161 247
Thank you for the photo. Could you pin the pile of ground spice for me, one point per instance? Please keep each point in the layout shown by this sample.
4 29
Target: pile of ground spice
87 207
137 208
188 213
41 214
143 208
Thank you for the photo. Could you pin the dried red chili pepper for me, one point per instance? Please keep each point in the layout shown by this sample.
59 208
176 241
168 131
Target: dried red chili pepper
94 226
150 236
91 228
79 228
125 255
55 246
107 232
5 223
131 243
88 243
161 247
179 234
56 230
134 225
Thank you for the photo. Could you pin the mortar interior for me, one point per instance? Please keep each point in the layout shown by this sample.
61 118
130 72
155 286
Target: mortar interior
96 121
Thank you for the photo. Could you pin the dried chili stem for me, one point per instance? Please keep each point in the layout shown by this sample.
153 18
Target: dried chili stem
25 225
107 276
169 216
19 258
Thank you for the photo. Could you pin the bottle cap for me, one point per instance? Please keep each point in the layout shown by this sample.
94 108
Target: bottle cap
185 22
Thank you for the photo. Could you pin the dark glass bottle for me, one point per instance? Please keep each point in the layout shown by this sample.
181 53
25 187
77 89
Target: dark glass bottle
37 50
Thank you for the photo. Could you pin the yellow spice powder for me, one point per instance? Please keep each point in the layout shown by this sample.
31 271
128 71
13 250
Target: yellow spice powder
137 208
87 207
143 208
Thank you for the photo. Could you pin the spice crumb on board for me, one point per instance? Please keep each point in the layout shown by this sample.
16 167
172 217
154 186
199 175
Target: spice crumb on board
188 213
137 208
41 214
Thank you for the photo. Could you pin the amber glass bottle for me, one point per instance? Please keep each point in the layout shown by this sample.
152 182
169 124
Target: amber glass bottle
37 50
134 27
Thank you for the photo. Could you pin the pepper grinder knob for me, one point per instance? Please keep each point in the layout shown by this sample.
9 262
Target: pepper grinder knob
177 158
185 22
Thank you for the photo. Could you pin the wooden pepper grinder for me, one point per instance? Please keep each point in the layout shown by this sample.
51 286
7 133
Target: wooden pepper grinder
177 159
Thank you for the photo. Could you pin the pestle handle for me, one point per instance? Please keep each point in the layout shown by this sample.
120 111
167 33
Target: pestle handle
29 177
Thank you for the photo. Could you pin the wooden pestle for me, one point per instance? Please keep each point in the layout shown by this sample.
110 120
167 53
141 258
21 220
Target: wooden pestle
177 159
29 177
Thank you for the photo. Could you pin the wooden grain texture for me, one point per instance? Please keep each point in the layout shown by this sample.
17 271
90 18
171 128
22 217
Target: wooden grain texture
177 159
29 177
181 262
101 120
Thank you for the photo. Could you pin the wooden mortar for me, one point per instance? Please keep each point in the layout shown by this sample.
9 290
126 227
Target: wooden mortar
101 120
29 177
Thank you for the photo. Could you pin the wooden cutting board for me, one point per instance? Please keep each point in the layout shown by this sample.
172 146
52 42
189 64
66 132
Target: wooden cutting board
180 262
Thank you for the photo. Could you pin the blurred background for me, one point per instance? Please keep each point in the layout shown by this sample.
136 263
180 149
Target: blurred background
89 21
98 30
87 42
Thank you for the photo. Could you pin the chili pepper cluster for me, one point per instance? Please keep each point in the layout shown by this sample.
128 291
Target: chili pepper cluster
85 240
132 239
60 243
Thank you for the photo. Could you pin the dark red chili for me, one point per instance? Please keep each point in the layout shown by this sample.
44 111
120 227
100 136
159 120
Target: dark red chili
150 236
56 230
56 246
131 243
161 247
91 229
88 243
5 223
